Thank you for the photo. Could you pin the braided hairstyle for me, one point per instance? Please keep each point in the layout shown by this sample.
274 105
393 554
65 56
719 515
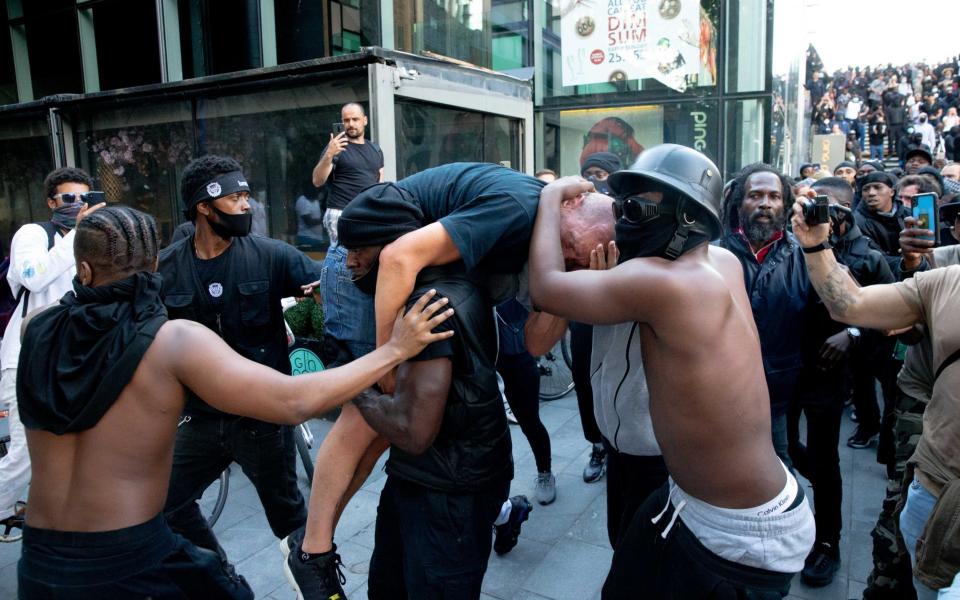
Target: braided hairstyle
118 240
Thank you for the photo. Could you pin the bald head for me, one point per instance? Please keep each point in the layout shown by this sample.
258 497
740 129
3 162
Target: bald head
585 222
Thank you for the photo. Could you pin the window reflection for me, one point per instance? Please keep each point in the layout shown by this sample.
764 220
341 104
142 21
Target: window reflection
430 135
25 160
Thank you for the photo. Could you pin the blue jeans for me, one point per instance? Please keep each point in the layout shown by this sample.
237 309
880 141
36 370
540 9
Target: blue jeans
348 314
876 151
912 521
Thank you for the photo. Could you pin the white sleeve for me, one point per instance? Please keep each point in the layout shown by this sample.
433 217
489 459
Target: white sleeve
32 265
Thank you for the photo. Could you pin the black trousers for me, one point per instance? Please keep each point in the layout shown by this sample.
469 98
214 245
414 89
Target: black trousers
521 384
868 367
630 481
431 545
206 445
645 565
143 561
819 461
581 346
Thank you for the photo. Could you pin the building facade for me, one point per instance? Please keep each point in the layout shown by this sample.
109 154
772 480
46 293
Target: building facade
131 90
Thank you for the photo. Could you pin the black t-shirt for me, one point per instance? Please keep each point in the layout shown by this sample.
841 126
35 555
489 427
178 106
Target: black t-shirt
354 169
212 274
488 210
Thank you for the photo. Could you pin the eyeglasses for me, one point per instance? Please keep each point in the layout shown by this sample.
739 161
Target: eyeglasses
88 197
635 209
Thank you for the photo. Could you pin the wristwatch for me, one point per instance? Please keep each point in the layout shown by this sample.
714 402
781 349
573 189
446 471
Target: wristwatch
817 248
854 334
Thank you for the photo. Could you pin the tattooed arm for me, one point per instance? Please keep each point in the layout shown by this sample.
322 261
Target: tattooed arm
877 306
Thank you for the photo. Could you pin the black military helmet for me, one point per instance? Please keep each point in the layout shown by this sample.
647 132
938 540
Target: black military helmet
682 169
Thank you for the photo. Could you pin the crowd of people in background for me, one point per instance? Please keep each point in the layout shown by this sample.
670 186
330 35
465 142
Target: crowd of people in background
886 110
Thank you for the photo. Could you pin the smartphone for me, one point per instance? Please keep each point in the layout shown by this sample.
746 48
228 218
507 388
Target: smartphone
337 129
925 212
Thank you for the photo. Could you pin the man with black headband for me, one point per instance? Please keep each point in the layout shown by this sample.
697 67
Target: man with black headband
482 215
732 517
41 269
104 377
232 283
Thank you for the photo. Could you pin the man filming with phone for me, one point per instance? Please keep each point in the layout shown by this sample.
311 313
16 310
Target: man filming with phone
348 165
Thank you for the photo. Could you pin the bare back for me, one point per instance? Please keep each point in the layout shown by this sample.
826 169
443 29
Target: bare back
115 474
708 394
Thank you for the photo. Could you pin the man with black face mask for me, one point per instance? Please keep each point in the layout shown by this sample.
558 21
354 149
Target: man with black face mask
232 283
732 519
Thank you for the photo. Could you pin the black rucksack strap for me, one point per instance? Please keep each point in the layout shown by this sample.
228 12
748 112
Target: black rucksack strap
24 293
947 362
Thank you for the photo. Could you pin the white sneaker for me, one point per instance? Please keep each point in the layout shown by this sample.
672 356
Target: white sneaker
545 490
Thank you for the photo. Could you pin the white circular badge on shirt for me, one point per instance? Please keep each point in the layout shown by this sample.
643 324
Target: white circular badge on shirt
216 290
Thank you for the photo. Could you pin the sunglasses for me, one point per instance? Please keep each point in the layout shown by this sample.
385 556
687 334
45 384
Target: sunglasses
635 209
88 197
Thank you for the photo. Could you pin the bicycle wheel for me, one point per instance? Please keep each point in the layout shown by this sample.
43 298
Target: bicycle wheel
304 442
556 379
565 350
223 486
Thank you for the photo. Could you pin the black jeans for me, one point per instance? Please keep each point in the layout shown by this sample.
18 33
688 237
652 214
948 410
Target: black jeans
876 364
521 384
432 545
646 565
143 561
819 461
206 445
581 346
630 481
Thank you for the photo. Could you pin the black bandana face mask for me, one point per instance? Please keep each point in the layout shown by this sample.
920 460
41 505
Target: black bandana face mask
646 229
231 226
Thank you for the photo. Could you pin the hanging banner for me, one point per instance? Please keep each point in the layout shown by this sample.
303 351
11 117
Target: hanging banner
620 40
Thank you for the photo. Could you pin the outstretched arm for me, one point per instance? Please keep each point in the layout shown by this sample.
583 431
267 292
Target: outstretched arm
411 418
876 306
203 362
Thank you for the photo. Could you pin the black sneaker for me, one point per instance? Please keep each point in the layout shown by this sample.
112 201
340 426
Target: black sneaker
316 577
820 566
862 438
597 465
506 535
14 522
291 543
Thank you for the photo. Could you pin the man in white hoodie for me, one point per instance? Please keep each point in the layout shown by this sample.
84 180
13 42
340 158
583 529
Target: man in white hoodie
41 271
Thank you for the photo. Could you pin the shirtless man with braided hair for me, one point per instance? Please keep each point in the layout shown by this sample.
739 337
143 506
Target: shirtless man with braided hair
101 406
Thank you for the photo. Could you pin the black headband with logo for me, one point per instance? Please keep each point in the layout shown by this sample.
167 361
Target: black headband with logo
218 187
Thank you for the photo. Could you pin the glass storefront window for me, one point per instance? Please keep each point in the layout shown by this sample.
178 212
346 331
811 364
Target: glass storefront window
137 155
25 159
219 36
125 28
299 30
429 135
353 24
278 136
743 123
572 135
648 46
746 64
488 33
54 67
